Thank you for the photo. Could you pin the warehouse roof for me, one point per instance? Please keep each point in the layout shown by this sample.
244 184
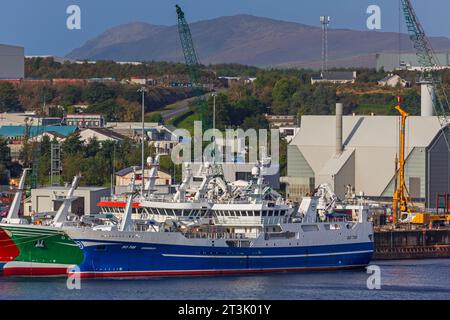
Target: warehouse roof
335 163
19 131
366 131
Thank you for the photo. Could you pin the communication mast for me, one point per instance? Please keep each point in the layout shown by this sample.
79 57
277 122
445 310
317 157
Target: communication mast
325 21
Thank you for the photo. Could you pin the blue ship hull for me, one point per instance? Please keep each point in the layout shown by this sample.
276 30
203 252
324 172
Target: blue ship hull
121 259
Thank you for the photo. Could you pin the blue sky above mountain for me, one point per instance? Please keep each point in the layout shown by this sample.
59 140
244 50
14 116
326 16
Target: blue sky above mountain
40 25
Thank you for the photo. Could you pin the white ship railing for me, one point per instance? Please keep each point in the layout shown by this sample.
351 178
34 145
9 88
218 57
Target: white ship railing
217 236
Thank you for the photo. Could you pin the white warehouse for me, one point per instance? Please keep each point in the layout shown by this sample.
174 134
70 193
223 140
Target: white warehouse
360 151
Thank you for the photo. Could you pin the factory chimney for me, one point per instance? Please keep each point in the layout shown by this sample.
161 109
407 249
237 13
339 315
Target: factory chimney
339 113
427 99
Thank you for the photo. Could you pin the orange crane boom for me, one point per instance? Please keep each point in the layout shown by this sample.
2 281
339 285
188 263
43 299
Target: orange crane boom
401 199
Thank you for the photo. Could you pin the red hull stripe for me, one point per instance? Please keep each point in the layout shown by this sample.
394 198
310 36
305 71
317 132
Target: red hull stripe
45 272
132 274
34 272
113 204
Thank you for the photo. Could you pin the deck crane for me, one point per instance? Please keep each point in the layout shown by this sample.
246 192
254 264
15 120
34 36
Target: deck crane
430 65
193 65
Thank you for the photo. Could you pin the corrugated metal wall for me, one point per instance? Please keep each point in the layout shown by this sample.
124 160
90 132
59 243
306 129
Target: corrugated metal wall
299 169
297 166
415 168
438 163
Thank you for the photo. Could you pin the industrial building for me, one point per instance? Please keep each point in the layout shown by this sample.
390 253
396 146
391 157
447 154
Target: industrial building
336 77
49 199
393 61
12 62
100 135
360 151
85 120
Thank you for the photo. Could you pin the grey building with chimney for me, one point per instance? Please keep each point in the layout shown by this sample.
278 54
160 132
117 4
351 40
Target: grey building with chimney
360 151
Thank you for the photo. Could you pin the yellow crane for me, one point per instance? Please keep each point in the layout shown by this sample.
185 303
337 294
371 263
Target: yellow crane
401 199
402 206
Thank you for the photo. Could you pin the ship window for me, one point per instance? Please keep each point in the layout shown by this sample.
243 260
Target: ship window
264 213
100 248
270 213
312 227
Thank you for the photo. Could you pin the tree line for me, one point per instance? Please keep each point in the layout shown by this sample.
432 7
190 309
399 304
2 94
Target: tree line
94 160
116 101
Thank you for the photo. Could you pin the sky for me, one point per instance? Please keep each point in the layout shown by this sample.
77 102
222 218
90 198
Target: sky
40 25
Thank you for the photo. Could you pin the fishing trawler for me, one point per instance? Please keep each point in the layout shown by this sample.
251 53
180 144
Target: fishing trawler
252 231
206 228
37 250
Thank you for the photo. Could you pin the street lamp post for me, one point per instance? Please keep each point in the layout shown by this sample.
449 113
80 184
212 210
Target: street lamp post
143 90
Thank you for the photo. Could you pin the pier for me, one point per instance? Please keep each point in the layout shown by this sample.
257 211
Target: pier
412 244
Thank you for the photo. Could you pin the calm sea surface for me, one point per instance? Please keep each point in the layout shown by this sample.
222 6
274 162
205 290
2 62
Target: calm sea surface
411 279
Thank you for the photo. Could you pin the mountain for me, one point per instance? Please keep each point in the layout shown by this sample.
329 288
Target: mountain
248 40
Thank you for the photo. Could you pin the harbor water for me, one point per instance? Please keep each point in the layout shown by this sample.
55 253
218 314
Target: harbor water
402 280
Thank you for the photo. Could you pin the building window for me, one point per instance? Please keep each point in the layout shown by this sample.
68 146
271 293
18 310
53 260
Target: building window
246 176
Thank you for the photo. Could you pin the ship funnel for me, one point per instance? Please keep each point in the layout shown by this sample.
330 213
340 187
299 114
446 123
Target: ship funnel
339 126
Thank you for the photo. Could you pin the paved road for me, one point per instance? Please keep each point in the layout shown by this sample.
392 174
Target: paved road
169 114
183 108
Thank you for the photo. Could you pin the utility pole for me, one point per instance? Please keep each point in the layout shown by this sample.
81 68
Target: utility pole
214 95
143 90
214 110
